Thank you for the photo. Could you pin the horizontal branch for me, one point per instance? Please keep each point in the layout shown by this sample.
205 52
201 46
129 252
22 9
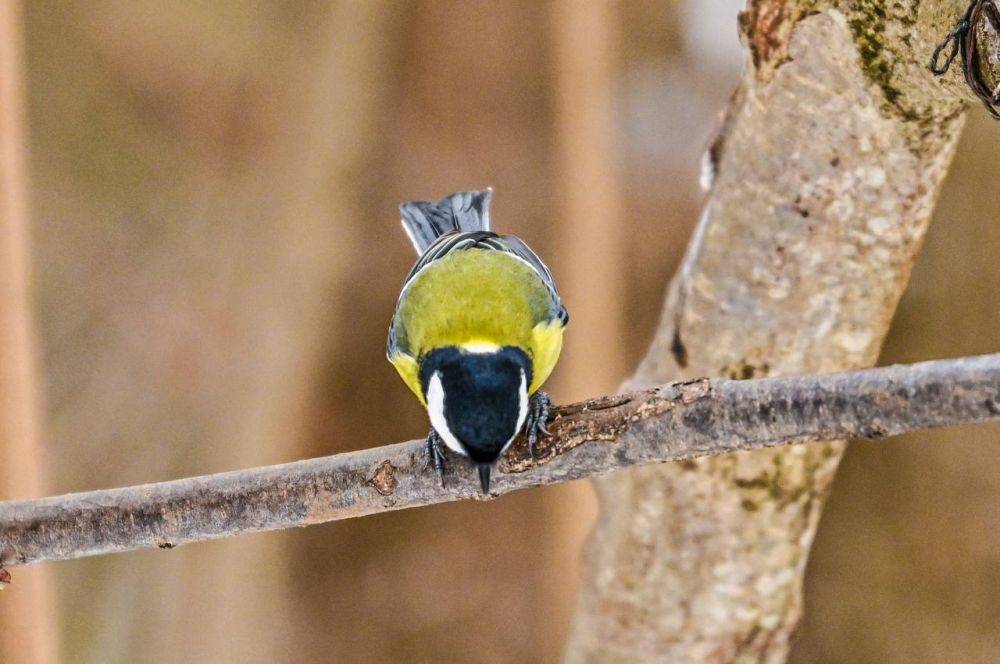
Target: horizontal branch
670 423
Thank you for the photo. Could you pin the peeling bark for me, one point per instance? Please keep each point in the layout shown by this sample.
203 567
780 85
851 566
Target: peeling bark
834 151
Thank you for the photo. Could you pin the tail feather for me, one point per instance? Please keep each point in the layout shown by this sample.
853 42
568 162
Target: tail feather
424 221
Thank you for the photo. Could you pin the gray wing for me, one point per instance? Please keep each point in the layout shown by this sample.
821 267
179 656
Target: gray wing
514 245
517 247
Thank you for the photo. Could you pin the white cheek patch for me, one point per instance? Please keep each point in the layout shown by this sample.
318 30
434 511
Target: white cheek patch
522 410
435 408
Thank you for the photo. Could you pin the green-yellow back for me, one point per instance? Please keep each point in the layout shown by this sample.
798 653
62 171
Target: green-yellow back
472 297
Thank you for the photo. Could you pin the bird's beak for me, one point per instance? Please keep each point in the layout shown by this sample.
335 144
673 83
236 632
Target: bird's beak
484 477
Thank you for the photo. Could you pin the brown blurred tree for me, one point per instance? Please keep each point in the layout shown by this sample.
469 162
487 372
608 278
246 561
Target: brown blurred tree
27 613
200 171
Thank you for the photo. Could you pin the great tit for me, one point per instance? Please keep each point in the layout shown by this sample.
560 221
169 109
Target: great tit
478 328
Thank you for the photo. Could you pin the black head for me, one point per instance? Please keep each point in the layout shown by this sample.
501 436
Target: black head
477 400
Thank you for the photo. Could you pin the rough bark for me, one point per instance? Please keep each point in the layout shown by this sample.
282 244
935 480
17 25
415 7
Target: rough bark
676 422
26 610
823 181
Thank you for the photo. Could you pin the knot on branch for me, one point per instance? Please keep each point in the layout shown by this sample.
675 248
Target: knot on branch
966 39
384 479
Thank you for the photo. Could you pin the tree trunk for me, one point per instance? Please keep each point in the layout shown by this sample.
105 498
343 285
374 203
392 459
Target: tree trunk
27 616
824 176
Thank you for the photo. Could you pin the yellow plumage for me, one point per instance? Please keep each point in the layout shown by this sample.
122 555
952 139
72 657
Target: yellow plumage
477 297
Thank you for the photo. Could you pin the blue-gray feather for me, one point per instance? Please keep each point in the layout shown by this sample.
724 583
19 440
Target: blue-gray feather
465 211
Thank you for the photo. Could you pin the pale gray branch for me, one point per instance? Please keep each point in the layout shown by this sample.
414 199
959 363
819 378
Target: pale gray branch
669 423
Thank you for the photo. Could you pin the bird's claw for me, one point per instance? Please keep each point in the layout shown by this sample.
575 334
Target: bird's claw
435 455
538 414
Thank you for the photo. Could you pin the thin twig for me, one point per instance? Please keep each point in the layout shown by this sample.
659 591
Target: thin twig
670 423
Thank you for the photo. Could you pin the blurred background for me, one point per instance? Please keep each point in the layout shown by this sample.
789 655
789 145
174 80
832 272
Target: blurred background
216 254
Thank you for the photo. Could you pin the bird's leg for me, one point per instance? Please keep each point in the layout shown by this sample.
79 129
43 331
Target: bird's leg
435 455
538 414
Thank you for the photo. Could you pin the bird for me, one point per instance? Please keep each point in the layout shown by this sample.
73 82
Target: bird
477 329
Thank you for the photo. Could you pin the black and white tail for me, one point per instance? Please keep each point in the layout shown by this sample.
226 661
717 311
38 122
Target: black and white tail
465 211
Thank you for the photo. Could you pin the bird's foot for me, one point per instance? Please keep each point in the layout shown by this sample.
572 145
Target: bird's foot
538 415
435 454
